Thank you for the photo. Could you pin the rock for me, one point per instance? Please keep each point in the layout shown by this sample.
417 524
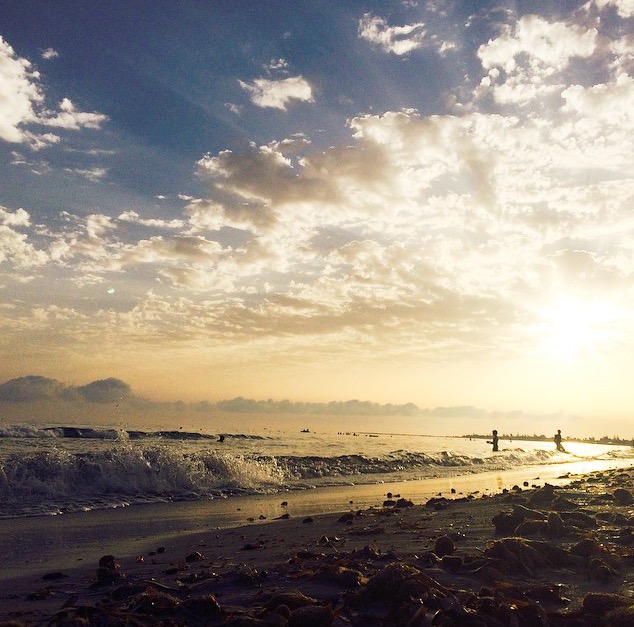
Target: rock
602 602
532 528
194 557
562 504
612 518
311 616
205 607
524 513
292 599
623 496
444 546
579 519
506 523
453 563
543 496
620 617
108 561
586 548
403 503
54 576
308 520
556 525
109 571
601 571
388 581
437 503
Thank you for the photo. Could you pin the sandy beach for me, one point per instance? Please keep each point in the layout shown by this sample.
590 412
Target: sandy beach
534 554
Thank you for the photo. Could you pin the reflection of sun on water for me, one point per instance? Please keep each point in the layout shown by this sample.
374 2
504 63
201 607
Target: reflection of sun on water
570 330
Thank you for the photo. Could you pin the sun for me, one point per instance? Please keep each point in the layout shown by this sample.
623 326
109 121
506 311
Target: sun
573 329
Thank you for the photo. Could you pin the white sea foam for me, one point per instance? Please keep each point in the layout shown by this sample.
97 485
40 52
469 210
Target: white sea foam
60 469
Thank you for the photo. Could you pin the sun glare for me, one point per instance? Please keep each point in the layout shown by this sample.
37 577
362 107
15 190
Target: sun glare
572 329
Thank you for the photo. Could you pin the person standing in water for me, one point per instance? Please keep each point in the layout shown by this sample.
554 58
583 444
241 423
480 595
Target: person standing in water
494 440
557 440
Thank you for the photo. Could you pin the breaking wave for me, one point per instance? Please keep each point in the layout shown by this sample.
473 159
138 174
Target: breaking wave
130 470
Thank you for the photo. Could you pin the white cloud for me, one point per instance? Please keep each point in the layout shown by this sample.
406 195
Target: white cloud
134 218
20 91
49 53
91 174
625 8
525 61
612 104
22 104
277 65
16 218
14 246
398 40
278 94
69 118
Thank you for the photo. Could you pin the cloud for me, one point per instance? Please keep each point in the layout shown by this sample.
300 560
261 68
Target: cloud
30 389
399 40
278 94
104 391
525 61
49 53
22 104
611 103
347 408
416 237
91 174
69 117
625 8
20 92
14 245
134 218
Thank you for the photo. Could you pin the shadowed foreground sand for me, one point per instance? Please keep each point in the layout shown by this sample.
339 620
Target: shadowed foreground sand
535 557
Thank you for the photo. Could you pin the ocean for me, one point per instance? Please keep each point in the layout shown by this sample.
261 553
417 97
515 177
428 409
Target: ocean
56 470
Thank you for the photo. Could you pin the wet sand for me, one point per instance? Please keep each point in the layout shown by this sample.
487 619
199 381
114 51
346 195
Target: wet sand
561 555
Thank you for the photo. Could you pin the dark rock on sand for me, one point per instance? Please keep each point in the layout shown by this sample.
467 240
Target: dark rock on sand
623 496
556 525
444 546
543 496
291 599
586 548
311 616
506 523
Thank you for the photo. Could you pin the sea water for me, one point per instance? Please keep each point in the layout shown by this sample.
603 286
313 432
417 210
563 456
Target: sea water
61 469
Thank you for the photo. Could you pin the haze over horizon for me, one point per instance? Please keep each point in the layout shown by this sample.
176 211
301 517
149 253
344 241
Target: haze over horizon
398 202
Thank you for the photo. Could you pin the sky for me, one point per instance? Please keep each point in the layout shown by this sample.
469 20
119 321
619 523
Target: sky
424 202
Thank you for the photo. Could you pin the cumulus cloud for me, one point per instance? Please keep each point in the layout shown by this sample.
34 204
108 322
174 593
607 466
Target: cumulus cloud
68 117
525 60
20 92
49 53
15 246
134 218
398 40
611 103
22 104
347 408
104 391
30 389
625 8
278 94
91 174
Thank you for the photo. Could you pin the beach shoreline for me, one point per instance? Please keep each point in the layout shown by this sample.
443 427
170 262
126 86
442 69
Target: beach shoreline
204 558
30 546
